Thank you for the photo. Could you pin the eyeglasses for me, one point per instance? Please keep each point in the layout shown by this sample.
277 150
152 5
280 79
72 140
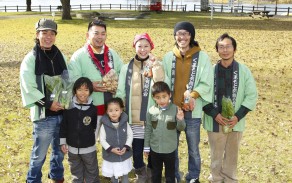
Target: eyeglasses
227 47
182 34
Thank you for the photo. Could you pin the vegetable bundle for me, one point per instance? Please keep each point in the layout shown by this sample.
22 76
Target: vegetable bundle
227 112
110 81
60 87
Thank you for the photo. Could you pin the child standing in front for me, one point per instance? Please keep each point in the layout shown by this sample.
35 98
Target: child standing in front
162 122
116 138
77 137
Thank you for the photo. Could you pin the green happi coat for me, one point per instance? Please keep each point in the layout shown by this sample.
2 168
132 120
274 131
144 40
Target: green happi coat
246 95
30 91
203 80
81 65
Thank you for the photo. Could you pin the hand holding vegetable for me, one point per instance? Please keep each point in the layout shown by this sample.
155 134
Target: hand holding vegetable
232 122
110 81
56 106
228 113
98 86
189 102
60 89
221 120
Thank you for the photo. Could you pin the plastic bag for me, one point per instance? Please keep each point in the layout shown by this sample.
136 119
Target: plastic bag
147 69
65 96
110 81
227 112
53 85
60 87
157 71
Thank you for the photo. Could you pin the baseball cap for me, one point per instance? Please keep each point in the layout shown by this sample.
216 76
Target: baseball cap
46 24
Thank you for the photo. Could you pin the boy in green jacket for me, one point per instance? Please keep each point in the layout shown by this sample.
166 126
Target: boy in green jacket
162 122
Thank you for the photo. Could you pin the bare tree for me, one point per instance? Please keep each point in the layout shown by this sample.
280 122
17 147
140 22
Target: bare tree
204 5
66 10
28 5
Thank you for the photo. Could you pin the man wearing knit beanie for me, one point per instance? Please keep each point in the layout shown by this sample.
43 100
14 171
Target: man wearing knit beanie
191 75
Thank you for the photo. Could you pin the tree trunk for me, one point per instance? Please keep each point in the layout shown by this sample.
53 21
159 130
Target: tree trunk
28 5
66 10
204 5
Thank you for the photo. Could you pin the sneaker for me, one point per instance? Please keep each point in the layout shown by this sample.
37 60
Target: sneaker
196 180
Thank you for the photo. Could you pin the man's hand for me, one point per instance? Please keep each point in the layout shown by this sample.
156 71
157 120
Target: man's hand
233 121
221 120
98 86
189 102
56 106
192 104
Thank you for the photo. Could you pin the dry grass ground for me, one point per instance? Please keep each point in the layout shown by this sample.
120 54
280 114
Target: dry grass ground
265 46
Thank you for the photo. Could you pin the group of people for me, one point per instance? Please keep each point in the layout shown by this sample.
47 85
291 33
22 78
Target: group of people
143 116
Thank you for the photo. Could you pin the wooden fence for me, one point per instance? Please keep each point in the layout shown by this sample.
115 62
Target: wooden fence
216 7
248 9
91 7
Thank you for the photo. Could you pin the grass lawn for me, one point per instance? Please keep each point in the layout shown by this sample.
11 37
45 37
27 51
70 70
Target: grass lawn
264 45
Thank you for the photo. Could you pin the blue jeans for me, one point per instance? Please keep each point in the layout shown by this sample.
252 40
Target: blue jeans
46 132
192 131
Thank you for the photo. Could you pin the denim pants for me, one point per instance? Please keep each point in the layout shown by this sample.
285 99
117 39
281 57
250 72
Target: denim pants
192 131
46 132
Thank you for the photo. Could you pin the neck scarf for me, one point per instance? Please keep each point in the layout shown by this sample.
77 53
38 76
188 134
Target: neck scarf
108 60
40 59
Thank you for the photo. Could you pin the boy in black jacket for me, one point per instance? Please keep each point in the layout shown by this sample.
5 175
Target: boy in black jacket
77 136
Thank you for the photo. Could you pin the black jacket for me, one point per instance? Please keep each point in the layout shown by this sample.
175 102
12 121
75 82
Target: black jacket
78 125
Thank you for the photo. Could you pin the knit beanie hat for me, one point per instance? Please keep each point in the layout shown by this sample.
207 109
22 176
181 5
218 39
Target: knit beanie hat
185 26
143 36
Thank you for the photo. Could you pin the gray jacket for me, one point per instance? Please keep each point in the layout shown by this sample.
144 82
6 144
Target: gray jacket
116 137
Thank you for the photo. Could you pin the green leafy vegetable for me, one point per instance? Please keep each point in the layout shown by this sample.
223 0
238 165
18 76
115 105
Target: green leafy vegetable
227 112
60 88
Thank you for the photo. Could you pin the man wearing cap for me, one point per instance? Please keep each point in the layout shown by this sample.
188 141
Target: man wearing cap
191 77
44 59
94 60
135 89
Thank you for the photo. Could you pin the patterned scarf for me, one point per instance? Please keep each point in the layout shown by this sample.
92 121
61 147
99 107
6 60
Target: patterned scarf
108 61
